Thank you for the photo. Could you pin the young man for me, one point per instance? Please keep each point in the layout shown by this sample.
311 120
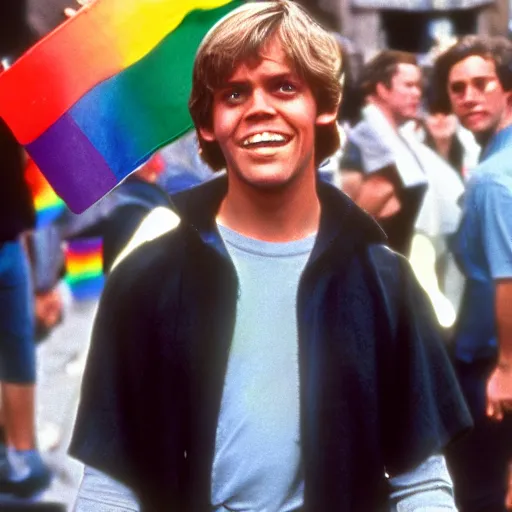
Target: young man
267 353
475 81
380 169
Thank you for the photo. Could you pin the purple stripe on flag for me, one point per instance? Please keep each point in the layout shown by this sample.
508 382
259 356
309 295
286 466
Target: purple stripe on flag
71 164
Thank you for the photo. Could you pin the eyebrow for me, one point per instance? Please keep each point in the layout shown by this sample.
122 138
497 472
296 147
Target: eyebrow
289 75
462 81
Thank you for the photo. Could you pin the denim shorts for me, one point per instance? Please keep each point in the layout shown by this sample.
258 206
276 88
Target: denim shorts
17 347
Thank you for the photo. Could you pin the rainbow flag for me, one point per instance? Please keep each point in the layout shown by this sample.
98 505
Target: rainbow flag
97 96
48 205
84 267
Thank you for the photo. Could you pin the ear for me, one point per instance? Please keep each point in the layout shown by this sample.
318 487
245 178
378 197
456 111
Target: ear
326 118
206 134
381 90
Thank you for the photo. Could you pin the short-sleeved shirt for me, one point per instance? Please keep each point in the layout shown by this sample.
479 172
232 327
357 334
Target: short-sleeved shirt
375 145
483 247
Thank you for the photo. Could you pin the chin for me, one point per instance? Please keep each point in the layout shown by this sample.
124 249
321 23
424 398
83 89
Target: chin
482 135
269 182
277 174
265 173
477 128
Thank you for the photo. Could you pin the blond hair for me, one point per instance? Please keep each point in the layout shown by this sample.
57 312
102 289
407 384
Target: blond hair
240 36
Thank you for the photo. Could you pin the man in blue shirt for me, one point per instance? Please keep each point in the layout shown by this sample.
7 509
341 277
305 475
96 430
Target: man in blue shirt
475 81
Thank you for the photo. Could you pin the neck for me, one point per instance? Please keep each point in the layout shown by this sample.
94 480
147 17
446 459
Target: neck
385 112
506 121
484 138
443 147
283 215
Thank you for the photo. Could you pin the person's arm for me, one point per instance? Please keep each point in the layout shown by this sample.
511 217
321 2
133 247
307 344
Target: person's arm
377 195
494 205
70 11
110 393
44 248
375 192
351 182
426 488
99 492
499 387
423 407
351 170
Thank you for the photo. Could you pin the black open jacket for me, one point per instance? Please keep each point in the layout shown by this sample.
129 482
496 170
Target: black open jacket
377 390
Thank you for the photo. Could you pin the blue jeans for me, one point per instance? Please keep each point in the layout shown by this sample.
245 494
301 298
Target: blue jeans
17 348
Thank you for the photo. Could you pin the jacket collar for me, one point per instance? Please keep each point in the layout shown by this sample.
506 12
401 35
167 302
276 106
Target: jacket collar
341 219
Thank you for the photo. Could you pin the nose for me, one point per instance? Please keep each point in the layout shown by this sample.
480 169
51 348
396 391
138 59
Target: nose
471 94
260 104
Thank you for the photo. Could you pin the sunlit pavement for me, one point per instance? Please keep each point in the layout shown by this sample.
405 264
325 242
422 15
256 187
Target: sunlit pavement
61 358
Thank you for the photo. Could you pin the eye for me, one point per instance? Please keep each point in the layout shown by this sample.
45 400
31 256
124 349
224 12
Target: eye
481 82
478 83
458 87
233 96
287 87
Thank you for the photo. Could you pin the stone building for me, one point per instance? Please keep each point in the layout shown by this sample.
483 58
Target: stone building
408 24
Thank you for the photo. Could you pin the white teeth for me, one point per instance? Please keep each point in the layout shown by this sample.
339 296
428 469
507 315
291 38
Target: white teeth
264 137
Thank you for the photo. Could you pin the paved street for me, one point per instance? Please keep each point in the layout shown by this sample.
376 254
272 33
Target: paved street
60 368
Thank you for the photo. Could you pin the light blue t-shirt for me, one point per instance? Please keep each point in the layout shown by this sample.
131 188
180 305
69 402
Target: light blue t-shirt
257 463
483 247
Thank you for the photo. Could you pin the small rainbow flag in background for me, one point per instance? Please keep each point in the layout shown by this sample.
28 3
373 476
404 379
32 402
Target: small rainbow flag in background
84 267
97 96
47 203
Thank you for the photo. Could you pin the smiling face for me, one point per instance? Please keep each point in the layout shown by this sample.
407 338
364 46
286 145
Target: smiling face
477 97
264 120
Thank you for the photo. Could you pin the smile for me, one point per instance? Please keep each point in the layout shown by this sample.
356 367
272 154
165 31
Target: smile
475 115
265 139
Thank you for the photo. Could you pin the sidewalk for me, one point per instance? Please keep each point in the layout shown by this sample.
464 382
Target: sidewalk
61 359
